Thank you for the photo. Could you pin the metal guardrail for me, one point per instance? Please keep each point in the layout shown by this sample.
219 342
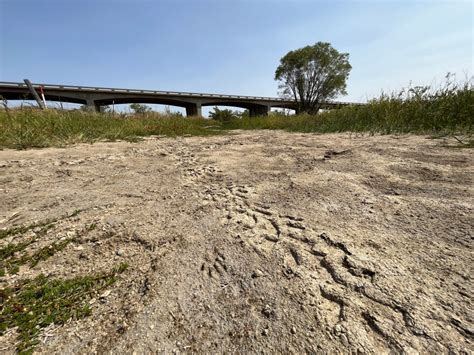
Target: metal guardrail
137 91
153 92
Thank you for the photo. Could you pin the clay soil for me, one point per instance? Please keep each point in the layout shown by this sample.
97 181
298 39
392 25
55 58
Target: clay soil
260 242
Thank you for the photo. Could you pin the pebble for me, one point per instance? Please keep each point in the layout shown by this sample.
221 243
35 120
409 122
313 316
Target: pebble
257 273
119 252
105 294
265 332
293 330
344 340
268 311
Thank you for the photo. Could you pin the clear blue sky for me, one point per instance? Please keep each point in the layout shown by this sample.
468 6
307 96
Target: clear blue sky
230 46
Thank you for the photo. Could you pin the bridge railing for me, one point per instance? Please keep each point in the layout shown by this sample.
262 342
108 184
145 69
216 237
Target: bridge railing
9 84
136 91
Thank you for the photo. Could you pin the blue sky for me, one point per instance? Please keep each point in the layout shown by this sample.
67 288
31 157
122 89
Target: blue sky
230 46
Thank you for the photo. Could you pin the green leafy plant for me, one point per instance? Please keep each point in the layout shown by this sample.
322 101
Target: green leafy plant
34 304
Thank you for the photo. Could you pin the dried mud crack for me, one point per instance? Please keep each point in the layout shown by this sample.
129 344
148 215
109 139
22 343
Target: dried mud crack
256 242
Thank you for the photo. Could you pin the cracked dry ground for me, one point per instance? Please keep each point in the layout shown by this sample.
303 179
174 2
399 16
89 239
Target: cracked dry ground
255 242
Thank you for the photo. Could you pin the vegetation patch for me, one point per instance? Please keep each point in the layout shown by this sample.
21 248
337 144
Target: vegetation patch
45 225
34 304
13 255
32 128
448 109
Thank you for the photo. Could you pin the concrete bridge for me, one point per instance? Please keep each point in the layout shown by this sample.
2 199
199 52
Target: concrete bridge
94 97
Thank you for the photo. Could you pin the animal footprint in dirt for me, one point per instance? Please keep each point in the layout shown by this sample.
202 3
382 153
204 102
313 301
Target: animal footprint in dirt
215 267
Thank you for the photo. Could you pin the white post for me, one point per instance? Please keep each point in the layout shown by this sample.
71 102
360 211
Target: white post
42 96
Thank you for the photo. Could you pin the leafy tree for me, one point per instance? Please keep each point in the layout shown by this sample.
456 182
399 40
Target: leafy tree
313 75
139 108
223 115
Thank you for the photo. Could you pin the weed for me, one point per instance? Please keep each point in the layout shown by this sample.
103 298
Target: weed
30 128
34 304
47 252
44 225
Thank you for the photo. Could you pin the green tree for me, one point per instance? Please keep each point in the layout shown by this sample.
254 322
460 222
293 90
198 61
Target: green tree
222 115
140 108
312 75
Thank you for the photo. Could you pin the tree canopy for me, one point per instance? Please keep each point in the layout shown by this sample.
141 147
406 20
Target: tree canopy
312 75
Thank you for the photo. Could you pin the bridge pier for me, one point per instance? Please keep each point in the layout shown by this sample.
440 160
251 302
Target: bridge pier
92 106
259 111
194 110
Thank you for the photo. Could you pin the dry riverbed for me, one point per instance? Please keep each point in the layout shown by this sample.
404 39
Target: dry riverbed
253 242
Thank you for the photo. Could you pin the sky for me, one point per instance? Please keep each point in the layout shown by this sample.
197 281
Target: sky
231 46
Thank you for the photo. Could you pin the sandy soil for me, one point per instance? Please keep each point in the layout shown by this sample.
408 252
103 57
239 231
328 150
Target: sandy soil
256 242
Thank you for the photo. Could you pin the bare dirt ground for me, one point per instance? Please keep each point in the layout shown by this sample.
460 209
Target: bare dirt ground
255 242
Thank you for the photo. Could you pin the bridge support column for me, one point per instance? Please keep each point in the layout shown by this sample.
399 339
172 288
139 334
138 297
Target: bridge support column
194 110
259 111
92 106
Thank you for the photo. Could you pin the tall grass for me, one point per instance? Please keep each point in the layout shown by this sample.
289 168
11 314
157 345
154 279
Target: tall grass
27 128
447 109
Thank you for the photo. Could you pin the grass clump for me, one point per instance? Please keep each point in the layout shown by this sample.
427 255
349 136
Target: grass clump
32 128
34 304
11 262
44 225
446 110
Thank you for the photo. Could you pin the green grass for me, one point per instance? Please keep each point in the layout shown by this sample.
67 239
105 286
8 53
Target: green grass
13 255
23 229
448 109
31 128
34 304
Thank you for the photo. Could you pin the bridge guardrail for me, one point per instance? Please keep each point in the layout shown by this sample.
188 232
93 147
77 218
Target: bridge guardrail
153 92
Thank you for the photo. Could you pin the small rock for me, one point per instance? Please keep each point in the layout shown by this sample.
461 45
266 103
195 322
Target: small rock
92 301
268 311
293 330
337 328
265 332
119 252
105 294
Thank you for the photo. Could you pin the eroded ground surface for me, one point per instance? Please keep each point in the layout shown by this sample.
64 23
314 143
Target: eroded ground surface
255 242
